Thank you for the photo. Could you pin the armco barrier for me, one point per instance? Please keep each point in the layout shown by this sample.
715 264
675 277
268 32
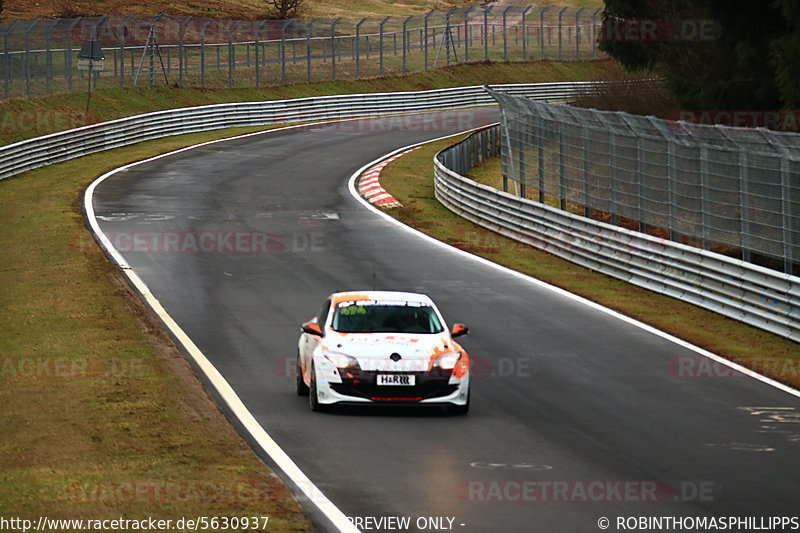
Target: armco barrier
751 294
48 149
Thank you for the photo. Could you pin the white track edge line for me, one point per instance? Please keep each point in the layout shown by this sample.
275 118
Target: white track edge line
220 384
632 321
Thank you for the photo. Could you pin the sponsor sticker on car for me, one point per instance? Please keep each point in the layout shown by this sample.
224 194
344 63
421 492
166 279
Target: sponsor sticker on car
402 380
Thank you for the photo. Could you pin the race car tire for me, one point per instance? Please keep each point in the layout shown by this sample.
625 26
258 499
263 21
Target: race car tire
313 401
302 388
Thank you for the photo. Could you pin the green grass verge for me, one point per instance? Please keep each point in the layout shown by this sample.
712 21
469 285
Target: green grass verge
103 416
410 180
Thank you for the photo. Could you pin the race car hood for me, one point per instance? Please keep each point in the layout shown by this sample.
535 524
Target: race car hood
374 351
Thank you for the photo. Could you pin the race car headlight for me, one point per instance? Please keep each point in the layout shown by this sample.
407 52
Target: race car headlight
341 360
447 361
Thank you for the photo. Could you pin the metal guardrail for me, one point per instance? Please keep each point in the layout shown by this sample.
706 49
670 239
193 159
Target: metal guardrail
758 296
62 146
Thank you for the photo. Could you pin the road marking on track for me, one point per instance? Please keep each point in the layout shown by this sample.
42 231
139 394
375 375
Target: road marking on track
558 290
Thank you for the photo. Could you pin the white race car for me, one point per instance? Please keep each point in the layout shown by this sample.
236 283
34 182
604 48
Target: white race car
381 347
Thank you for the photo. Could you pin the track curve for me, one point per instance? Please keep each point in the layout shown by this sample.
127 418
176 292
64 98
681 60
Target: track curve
241 240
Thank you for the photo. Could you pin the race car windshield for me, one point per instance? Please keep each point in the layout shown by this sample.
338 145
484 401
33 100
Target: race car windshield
372 317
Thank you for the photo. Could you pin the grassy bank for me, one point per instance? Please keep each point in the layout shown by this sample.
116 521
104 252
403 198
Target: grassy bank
410 180
30 117
103 416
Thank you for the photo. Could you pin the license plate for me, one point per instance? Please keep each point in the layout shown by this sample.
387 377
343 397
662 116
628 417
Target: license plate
396 380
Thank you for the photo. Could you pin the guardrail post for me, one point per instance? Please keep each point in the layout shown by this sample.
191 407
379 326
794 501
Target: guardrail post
380 41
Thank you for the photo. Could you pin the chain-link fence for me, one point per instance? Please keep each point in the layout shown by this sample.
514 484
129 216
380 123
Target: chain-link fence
731 190
41 56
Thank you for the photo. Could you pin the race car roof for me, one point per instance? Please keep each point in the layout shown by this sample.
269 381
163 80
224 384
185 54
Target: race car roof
380 295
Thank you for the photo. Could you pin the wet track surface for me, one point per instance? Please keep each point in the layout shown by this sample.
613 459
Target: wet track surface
575 414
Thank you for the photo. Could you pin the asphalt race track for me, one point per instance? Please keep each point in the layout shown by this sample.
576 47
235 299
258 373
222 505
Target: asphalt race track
576 414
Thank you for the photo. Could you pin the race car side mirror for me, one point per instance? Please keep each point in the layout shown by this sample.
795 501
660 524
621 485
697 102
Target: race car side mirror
312 328
459 330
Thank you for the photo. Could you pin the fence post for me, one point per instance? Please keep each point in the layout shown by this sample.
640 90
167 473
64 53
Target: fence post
49 57
562 166
640 162
333 47
7 58
257 42
540 151
425 19
744 202
358 46
486 33
405 41
612 174
466 33
380 41
27 64
231 53
525 34
705 189
560 40
578 33
283 50
587 189
309 30
203 53
594 30
505 34
541 30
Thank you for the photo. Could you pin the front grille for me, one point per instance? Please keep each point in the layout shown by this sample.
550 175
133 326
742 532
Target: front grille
362 384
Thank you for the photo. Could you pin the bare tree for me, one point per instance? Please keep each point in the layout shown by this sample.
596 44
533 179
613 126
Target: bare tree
284 9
